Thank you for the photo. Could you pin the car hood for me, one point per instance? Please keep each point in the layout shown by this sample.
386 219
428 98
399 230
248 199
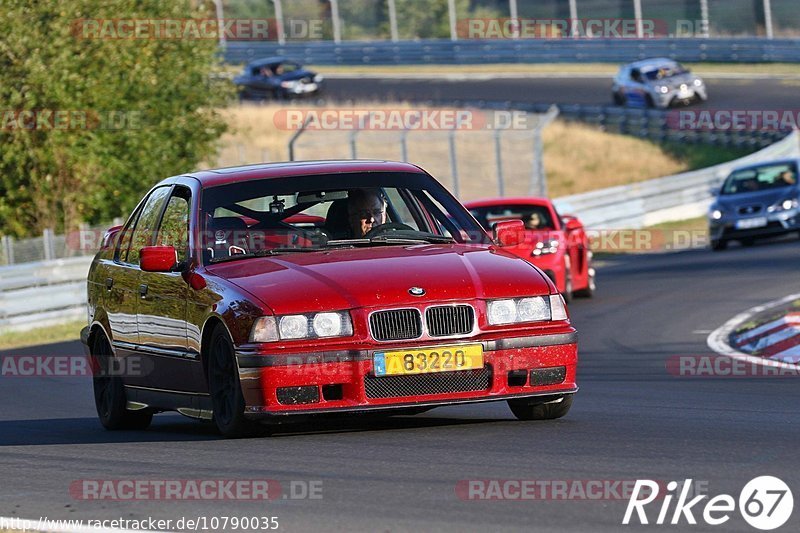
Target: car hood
369 277
766 198
676 81
297 75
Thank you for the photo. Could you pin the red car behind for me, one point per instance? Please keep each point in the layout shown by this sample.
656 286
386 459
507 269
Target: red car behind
557 244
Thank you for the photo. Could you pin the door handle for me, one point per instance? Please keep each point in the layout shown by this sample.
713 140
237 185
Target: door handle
109 283
142 290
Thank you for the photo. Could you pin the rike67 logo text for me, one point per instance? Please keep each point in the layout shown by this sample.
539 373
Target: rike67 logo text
765 503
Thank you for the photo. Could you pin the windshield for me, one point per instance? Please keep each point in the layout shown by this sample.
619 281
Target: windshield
665 71
327 212
535 217
760 178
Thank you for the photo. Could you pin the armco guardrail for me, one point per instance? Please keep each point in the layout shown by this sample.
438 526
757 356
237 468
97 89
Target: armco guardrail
446 52
665 199
35 294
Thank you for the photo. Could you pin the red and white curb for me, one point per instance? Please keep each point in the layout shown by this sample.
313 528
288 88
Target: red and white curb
778 341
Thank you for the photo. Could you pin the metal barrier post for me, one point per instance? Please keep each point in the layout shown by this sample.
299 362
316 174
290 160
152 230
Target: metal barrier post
538 185
768 18
453 161
393 21
47 241
337 23
637 14
8 249
279 21
451 10
705 26
404 146
498 159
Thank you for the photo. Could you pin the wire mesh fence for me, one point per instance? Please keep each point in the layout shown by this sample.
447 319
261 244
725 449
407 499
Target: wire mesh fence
82 242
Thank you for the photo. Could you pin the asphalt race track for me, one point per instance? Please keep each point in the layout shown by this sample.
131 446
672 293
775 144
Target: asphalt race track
724 93
631 419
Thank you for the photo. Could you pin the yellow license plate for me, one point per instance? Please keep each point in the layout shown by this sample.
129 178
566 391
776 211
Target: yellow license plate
426 360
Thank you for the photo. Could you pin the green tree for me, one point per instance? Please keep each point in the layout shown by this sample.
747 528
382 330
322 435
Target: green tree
148 105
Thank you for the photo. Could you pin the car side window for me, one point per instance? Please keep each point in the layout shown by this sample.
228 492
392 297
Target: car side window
143 231
174 228
124 242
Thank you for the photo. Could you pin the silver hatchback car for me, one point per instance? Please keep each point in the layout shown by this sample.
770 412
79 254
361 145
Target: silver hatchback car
756 201
657 82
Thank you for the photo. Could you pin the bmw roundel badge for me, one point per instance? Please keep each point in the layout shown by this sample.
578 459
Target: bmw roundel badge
416 291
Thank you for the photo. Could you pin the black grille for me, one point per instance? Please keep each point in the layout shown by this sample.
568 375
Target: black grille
396 325
548 376
423 384
749 209
449 320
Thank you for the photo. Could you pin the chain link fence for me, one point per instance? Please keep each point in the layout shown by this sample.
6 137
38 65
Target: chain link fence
403 20
82 242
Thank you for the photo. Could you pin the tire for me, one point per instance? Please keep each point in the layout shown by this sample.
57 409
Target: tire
719 245
109 393
591 287
618 98
648 101
226 390
748 242
532 409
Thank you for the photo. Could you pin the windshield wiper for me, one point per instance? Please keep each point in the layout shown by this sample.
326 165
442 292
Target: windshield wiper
265 253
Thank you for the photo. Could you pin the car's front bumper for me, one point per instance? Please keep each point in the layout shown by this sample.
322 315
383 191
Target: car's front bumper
776 224
344 381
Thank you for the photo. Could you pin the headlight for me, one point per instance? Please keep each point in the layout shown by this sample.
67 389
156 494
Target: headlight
288 84
533 309
698 82
789 203
716 214
545 247
310 326
663 89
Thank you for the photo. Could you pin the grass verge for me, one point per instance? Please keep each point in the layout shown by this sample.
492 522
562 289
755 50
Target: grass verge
69 331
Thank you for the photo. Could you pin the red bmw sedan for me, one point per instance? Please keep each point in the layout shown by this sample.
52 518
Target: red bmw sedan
556 243
251 294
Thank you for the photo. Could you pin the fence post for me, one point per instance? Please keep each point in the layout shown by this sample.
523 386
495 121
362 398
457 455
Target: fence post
296 136
279 22
404 146
337 23
637 14
498 159
538 183
705 27
8 249
49 245
768 18
393 21
451 10
453 162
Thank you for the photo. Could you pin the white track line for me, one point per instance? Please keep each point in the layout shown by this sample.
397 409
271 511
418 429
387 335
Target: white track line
718 339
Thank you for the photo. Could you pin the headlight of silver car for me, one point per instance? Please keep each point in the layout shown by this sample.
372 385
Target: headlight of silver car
307 326
663 89
520 310
715 214
698 82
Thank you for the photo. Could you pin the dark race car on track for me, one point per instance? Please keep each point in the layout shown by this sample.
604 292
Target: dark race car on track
557 244
276 78
657 82
760 200
257 292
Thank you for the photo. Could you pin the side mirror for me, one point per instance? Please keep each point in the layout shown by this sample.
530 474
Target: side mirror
158 258
509 232
571 223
